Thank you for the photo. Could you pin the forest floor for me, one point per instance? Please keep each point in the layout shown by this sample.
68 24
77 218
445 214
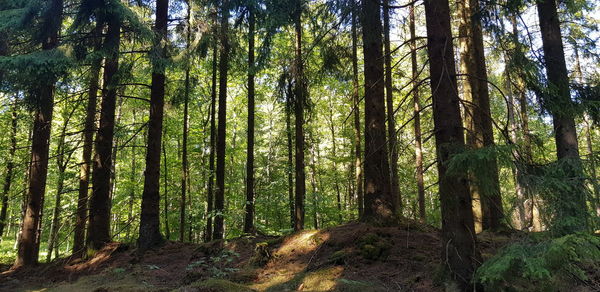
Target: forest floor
350 257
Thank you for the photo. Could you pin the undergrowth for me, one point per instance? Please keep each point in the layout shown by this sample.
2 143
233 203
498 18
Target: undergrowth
544 265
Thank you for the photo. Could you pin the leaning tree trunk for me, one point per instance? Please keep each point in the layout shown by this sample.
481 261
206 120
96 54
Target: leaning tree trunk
28 245
299 97
211 158
149 218
458 237
10 165
417 117
389 99
572 209
485 186
99 214
249 219
379 200
358 167
222 117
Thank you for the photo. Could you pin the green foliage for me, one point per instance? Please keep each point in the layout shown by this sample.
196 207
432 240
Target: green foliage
547 265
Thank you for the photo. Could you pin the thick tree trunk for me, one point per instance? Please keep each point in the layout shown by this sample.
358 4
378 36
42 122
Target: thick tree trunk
458 237
249 220
300 100
99 215
10 165
379 200
28 245
389 99
149 218
417 117
485 186
88 144
358 167
211 158
221 134
573 210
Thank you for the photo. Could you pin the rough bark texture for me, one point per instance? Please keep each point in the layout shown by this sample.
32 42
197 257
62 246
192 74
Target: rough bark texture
221 134
249 220
417 117
379 200
10 165
389 99
572 204
358 167
28 245
300 100
149 219
88 144
99 214
458 237
485 185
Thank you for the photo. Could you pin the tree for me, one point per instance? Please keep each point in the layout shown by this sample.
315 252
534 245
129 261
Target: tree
99 214
379 200
211 159
485 186
458 237
222 118
299 101
43 94
184 144
149 218
249 219
358 167
10 165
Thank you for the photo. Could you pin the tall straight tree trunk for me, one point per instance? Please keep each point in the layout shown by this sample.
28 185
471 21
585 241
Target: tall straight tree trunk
166 189
221 132
28 245
211 158
573 210
184 144
336 183
10 165
99 215
379 200
417 116
133 184
313 182
290 161
478 117
149 218
88 144
389 99
249 220
300 100
458 236
358 167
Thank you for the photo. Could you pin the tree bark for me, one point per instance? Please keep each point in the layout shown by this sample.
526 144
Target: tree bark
379 200
221 134
166 189
389 99
485 186
99 214
417 117
458 237
150 236
249 220
27 254
573 210
358 167
300 100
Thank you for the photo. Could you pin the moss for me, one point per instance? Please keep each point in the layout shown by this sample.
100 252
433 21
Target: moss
374 247
338 257
219 285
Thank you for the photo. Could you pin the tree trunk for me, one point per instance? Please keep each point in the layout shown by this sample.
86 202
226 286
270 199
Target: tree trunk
379 200
184 144
249 220
99 215
290 162
10 165
27 254
358 167
573 210
211 158
389 99
336 183
299 97
478 118
166 189
458 237
149 218
221 134
417 117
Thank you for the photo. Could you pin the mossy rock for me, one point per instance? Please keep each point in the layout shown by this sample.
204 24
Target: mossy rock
217 285
374 247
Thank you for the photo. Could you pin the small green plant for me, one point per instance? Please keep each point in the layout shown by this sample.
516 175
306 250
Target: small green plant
218 266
